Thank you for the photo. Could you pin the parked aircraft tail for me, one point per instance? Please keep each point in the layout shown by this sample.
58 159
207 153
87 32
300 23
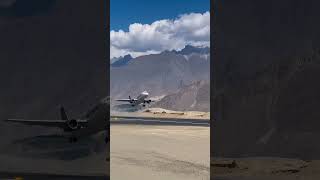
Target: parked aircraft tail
63 114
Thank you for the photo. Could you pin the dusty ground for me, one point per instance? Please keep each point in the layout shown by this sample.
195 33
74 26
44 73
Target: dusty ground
159 152
54 155
264 168
159 113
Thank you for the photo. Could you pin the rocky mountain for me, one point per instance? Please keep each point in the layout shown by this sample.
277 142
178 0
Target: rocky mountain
159 74
265 93
114 59
188 49
121 61
193 97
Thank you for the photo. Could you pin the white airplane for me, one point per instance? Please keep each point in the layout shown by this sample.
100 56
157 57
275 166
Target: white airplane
94 121
141 99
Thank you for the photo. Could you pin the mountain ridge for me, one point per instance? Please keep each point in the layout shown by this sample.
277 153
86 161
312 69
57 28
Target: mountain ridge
187 50
195 97
160 74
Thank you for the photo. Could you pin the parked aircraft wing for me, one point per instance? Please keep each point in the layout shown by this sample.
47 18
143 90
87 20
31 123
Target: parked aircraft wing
50 123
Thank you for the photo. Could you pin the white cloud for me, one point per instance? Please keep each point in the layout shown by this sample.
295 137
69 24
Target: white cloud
142 39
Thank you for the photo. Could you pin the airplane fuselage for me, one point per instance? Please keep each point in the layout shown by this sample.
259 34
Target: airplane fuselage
141 98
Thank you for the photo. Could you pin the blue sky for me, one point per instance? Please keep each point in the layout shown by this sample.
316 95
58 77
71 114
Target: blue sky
142 27
125 12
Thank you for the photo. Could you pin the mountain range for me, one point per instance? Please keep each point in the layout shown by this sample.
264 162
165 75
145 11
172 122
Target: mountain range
163 74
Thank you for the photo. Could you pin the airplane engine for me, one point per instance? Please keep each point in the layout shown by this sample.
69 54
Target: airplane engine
73 124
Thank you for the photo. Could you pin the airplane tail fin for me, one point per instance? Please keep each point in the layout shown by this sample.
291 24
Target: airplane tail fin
130 97
63 114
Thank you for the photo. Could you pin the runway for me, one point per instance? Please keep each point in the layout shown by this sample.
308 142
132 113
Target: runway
163 122
159 152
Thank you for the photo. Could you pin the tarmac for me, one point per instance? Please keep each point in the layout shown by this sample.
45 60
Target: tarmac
159 152
162 122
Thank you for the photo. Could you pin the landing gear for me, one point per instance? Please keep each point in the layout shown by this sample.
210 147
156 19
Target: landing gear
73 139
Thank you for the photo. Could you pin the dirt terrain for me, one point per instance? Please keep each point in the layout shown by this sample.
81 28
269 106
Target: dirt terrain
264 168
159 113
159 152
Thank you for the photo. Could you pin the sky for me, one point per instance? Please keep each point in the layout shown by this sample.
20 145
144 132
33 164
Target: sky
140 27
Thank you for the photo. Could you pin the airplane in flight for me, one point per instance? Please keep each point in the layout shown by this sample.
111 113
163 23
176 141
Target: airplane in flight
94 121
141 99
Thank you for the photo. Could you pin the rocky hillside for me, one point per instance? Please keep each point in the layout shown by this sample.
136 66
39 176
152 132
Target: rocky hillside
266 95
195 97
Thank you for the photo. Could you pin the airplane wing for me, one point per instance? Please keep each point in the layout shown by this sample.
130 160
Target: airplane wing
49 123
126 100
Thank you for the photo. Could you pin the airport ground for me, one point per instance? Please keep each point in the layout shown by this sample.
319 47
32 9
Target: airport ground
264 168
159 152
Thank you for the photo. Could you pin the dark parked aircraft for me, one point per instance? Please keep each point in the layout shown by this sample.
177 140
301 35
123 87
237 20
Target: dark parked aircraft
94 121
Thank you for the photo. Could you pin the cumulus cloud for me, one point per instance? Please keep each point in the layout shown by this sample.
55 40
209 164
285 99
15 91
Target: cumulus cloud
167 34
